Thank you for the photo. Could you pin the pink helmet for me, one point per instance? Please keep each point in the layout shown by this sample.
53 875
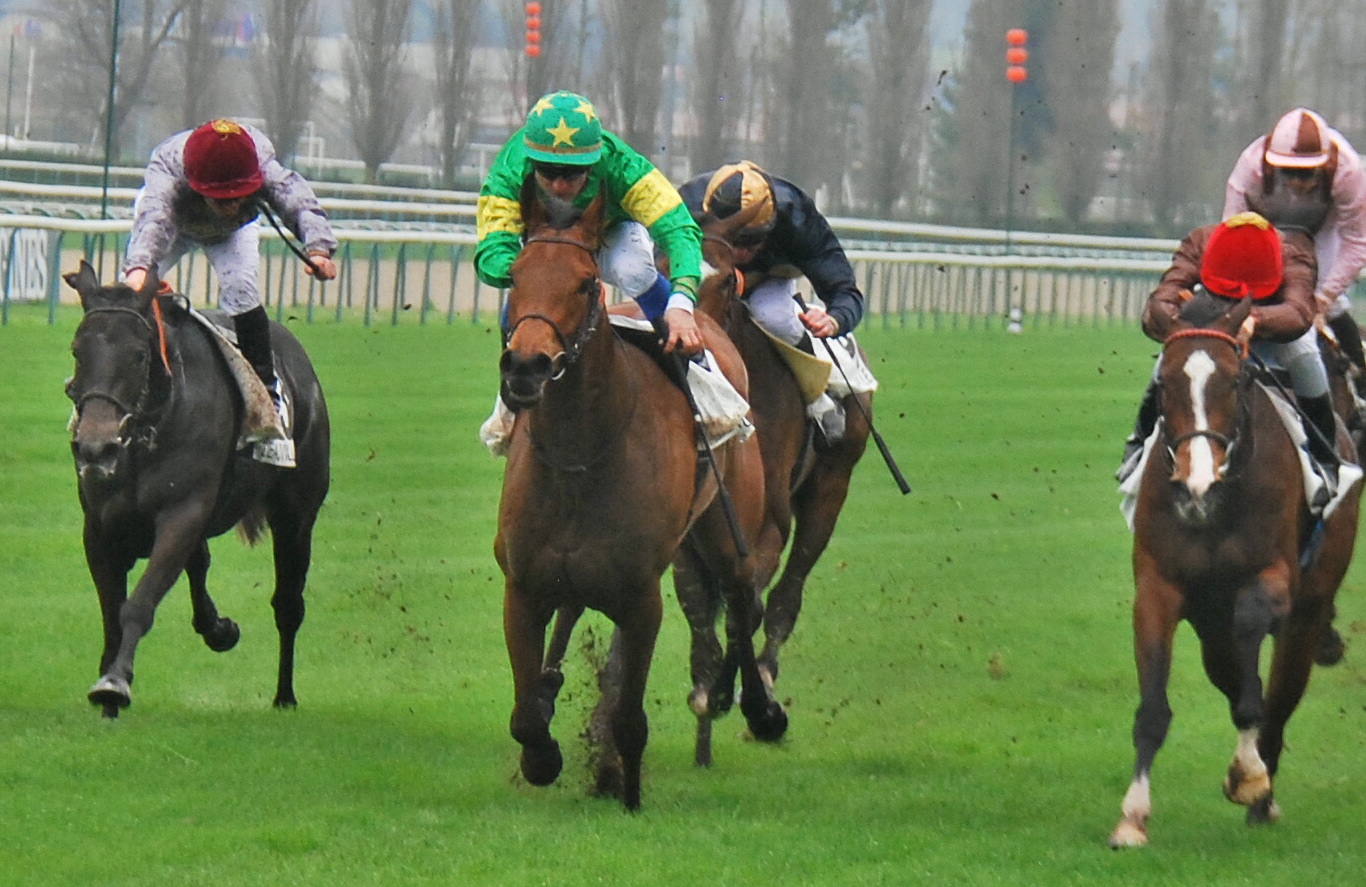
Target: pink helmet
1300 140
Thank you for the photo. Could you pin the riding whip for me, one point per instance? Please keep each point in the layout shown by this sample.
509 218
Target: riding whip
289 241
877 438
680 368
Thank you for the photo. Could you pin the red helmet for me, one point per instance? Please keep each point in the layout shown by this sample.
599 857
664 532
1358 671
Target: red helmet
221 162
1242 258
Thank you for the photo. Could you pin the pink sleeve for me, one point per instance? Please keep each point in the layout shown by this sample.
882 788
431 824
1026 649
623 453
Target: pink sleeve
1349 199
1246 176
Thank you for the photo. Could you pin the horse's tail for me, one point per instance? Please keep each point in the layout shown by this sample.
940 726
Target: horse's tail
252 526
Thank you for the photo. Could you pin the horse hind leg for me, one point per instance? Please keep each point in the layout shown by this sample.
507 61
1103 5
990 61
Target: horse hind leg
220 633
292 542
712 694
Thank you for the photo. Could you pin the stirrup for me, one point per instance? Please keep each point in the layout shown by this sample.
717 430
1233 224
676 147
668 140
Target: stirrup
828 414
1128 463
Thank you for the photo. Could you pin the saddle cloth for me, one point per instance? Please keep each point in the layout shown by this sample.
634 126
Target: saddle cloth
260 420
724 413
1349 475
816 372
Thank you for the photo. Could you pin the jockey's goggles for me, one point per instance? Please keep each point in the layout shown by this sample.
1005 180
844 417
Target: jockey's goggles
553 172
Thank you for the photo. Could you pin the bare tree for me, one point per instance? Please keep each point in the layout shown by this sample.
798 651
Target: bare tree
717 87
973 147
561 54
84 37
637 62
897 54
380 107
201 57
803 75
1179 116
1081 52
457 91
287 78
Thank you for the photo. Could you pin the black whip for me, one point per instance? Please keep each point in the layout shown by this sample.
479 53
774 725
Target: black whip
877 438
289 241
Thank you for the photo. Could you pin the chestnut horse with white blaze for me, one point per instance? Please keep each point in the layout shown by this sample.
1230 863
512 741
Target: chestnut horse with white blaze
1224 538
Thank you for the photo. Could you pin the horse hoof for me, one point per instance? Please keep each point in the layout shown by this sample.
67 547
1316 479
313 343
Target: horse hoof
223 636
1331 648
1128 834
541 766
110 692
770 725
1247 789
1264 812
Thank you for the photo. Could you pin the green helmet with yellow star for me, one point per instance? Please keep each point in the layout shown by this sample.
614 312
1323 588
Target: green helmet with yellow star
562 127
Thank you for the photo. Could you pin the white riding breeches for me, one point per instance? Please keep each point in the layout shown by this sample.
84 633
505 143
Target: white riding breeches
1301 359
235 261
627 258
773 308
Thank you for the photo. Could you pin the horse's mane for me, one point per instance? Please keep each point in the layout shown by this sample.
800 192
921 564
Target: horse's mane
1203 308
560 214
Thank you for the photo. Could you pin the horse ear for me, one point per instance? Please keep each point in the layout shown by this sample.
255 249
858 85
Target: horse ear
84 282
1238 313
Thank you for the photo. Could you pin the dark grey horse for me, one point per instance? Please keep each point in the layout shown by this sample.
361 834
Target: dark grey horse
158 417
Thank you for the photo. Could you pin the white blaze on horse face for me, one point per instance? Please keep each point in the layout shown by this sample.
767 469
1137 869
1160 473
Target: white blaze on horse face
1199 368
707 269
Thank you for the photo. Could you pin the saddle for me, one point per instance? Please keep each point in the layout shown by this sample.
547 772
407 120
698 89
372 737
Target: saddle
723 412
261 426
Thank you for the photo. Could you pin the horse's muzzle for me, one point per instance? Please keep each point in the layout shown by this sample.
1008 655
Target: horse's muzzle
99 448
524 377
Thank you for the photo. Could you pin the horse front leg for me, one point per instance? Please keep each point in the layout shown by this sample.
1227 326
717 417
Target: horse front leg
524 625
178 531
109 569
639 629
220 634
815 509
1255 610
1157 609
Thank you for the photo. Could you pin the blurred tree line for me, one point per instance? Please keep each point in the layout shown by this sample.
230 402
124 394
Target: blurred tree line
845 97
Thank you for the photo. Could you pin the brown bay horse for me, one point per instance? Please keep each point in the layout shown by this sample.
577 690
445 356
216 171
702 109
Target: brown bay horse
1224 539
602 484
806 482
159 473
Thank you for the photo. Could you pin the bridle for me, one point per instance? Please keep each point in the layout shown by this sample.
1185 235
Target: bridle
571 349
129 411
1224 440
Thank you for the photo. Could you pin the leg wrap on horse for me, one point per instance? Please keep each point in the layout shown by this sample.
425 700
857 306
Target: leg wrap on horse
253 338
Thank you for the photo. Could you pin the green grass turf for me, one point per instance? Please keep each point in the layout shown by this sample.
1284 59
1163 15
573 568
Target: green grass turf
960 686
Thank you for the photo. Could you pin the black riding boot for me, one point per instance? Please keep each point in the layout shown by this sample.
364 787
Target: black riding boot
253 340
1321 425
1143 427
1349 339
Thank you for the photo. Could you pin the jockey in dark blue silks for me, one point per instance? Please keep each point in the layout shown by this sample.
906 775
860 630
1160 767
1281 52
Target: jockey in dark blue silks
787 238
